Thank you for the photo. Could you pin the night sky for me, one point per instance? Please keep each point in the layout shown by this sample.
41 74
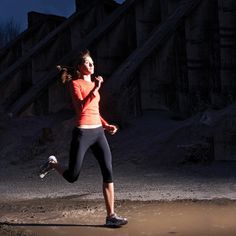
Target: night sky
18 9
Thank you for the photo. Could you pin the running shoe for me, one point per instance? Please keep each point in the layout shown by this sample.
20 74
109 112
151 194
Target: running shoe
115 221
46 167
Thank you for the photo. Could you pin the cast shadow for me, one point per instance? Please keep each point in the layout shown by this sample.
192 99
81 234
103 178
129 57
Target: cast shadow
54 225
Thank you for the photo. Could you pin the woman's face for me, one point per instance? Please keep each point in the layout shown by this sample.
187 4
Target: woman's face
87 68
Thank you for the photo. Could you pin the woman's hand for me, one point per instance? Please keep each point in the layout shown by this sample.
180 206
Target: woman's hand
111 129
98 82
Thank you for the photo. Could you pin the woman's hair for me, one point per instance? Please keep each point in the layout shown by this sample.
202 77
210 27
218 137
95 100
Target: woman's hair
69 73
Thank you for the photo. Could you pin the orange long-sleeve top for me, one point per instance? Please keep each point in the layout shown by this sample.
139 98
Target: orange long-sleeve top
86 103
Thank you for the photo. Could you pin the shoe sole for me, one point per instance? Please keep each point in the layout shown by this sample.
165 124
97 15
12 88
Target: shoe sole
116 225
112 226
51 159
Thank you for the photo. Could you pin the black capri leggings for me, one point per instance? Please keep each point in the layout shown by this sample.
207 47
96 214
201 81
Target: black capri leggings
82 140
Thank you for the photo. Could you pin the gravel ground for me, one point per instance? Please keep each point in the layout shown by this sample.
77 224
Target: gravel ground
148 165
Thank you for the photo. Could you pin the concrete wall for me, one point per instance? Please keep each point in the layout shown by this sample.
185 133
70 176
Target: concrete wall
224 140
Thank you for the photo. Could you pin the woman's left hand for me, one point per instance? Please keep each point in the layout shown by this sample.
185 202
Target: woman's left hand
98 81
112 129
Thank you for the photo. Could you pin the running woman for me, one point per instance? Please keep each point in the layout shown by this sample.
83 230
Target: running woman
88 133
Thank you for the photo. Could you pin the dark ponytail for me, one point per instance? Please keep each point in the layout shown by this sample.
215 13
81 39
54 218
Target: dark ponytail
66 73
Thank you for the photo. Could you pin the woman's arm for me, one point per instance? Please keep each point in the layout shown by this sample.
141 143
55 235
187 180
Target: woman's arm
104 122
112 129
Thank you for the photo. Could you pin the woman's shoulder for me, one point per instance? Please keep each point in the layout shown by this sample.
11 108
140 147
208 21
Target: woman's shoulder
77 82
83 83
80 81
74 84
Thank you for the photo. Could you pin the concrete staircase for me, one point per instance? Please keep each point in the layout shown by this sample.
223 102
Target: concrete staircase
147 52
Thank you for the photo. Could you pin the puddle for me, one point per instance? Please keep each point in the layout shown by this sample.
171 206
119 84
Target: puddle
185 218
